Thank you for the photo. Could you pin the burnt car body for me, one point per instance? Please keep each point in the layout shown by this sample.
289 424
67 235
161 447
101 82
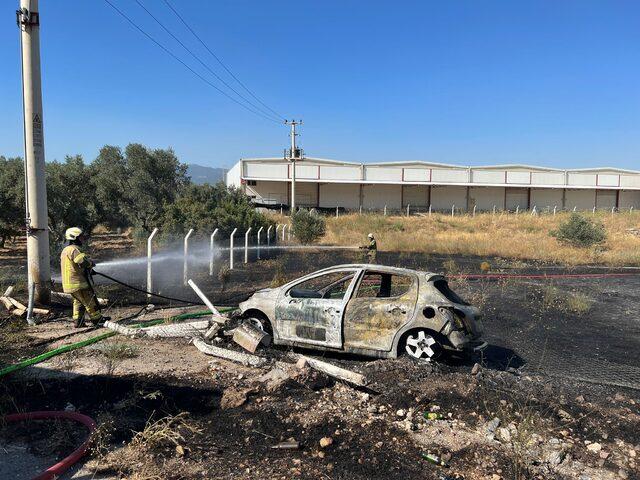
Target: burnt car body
370 310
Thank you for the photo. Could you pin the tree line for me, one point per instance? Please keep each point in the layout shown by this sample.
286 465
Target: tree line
136 187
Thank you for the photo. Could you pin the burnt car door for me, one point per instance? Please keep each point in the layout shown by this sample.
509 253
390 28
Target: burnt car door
382 303
311 310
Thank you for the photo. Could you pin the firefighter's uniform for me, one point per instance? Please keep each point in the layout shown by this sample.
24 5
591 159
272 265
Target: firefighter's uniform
372 248
75 266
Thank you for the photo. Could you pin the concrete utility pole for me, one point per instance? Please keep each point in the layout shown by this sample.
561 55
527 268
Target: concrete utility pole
294 155
39 270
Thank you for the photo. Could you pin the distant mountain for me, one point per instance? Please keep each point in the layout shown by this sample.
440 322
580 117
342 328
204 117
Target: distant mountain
200 174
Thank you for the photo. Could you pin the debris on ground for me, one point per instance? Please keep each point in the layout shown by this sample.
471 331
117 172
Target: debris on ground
240 357
249 337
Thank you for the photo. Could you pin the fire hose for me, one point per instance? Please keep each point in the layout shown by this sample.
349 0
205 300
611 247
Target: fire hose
63 465
137 289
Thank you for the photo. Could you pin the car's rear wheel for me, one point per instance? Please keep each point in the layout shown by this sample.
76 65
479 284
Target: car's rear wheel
419 344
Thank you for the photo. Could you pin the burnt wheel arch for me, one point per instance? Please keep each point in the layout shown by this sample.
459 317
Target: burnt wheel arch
262 317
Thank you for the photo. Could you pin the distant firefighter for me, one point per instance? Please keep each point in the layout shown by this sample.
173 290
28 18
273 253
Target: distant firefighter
371 248
76 269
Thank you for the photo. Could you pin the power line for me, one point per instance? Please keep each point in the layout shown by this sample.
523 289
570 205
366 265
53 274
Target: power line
220 61
257 107
176 58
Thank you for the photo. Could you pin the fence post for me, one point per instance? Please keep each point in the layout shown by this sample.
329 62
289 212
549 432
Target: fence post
574 208
533 210
613 210
494 210
360 209
259 232
231 248
280 209
213 236
185 269
385 210
474 210
149 253
408 209
555 207
429 209
594 210
246 246
336 211
453 209
631 209
284 229
269 235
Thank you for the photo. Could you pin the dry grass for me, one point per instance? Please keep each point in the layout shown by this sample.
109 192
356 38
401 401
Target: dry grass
521 236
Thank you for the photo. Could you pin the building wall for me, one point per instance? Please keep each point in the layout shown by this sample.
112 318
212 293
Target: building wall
517 199
442 198
344 195
415 195
306 194
263 191
606 199
377 196
628 199
546 198
580 199
233 178
485 198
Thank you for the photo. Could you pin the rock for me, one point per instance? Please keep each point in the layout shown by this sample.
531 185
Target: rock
622 473
70 407
401 413
366 397
301 363
232 398
564 414
475 369
556 457
491 426
580 399
274 378
504 434
594 447
325 442
604 455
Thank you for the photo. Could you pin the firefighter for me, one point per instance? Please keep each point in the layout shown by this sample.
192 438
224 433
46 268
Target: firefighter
371 248
76 278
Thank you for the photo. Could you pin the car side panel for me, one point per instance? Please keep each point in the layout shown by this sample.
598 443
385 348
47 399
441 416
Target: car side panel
372 323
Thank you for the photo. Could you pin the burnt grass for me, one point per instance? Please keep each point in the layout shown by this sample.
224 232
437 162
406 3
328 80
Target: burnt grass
545 352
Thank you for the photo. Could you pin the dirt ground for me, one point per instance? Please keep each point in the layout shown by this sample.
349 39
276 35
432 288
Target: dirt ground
555 396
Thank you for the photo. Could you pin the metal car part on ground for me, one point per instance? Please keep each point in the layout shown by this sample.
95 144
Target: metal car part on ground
366 309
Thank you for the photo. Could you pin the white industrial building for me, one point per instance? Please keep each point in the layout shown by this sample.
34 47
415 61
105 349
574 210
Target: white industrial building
329 184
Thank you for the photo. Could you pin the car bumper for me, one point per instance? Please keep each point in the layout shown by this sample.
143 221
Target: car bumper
462 341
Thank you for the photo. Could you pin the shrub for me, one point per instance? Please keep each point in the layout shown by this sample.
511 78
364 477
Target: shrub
579 231
307 227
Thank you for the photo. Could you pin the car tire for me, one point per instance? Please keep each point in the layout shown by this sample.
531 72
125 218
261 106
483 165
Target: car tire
420 345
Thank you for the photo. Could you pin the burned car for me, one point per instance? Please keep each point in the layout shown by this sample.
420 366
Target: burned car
370 310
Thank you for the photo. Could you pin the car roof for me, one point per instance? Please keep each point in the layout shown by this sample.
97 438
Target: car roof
380 268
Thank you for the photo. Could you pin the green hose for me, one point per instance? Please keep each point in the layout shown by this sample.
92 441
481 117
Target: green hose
83 343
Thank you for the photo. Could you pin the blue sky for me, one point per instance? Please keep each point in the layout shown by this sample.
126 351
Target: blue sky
554 83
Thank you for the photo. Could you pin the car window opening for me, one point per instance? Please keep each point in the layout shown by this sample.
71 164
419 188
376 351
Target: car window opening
383 285
330 286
